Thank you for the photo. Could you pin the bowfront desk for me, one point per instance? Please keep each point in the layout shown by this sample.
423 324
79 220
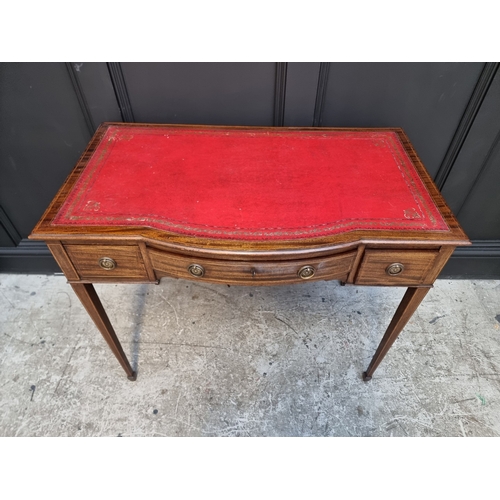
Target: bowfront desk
249 206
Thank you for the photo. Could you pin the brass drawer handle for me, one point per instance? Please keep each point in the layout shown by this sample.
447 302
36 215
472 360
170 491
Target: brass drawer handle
196 270
107 263
395 269
306 272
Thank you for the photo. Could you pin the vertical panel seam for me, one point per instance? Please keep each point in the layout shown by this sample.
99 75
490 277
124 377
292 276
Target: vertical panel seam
121 92
9 227
324 70
280 93
84 106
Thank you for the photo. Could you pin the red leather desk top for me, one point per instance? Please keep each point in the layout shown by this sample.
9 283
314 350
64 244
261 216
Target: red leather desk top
250 184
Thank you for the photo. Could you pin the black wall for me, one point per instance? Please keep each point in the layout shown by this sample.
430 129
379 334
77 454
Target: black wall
451 112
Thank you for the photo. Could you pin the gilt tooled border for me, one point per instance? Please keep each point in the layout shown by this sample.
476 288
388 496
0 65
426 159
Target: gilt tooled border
87 179
403 162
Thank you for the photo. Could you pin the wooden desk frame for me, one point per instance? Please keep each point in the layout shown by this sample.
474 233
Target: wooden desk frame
411 259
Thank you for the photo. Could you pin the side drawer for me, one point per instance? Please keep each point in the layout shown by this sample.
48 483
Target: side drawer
107 262
252 273
395 267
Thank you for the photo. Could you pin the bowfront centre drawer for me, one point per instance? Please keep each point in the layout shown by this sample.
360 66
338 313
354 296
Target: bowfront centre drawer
395 267
107 261
252 273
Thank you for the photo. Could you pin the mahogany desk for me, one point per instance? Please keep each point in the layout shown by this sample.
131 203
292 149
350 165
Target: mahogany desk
249 206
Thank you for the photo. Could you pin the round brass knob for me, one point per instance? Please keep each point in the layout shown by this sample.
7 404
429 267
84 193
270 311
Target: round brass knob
306 272
196 270
107 263
395 269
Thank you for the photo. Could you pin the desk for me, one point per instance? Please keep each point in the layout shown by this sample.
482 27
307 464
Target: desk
249 206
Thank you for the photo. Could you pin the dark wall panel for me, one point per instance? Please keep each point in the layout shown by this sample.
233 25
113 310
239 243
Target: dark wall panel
474 156
202 93
97 91
9 237
5 239
426 99
480 214
301 87
42 134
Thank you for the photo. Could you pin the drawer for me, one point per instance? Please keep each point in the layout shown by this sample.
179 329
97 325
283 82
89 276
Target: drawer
395 267
107 261
252 273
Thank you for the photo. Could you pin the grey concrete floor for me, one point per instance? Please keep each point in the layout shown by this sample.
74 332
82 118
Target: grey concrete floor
215 360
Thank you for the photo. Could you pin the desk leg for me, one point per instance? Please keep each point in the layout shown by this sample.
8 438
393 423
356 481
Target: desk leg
90 300
407 307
